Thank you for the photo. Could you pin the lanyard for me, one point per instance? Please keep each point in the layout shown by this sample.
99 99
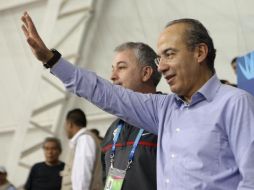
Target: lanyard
131 155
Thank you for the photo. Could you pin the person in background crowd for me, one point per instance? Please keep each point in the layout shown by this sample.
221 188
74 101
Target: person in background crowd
46 175
233 64
96 132
223 81
4 182
83 168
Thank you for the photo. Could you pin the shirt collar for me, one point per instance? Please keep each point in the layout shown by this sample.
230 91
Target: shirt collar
207 92
74 139
210 88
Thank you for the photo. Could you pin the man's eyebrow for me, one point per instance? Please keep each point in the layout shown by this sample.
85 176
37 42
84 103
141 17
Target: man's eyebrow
119 62
165 51
169 49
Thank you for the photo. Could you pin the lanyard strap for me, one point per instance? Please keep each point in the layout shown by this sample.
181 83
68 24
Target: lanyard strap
135 144
119 128
131 155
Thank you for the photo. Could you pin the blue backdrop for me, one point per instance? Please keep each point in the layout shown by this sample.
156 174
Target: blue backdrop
245 72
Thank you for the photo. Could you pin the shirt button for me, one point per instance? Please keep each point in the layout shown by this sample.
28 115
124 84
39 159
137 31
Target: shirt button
178 129
173 155
167 180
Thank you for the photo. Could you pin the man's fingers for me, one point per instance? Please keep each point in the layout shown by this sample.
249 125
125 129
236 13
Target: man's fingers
25 31
32 43
23 18
33 39
30 25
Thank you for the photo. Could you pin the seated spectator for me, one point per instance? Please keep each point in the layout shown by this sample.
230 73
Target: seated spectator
46 175
4 183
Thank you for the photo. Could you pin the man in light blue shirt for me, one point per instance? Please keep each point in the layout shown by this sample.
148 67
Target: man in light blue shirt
205 129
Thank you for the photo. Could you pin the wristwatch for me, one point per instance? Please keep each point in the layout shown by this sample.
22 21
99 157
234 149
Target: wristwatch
56 56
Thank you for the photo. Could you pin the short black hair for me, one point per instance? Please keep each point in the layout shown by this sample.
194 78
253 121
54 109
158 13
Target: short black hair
55 140
233 60
78 117
96 132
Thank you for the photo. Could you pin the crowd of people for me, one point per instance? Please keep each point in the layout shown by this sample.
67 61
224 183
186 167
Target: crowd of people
199 137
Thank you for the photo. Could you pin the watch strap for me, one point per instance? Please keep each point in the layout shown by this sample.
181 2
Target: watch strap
56 56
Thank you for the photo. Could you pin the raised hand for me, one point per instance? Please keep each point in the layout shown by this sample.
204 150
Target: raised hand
38 47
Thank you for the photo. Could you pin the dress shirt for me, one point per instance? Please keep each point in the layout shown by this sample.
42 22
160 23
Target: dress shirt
207 144
83 163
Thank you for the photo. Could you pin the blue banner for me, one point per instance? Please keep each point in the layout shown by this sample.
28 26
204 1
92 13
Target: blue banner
245 72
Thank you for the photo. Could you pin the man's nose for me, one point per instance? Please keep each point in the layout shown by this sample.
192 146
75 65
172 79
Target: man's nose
162 66
113 76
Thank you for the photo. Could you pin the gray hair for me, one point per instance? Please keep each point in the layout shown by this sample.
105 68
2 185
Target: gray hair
55 140
145 56
195 34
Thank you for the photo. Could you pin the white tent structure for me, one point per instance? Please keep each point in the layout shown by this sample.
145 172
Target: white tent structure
33 103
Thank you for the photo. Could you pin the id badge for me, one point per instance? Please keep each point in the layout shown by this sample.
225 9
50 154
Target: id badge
115 179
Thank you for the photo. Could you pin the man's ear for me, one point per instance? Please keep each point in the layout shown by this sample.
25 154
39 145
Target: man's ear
147 72
201 52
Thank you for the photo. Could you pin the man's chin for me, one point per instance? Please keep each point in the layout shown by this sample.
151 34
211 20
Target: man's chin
174 89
